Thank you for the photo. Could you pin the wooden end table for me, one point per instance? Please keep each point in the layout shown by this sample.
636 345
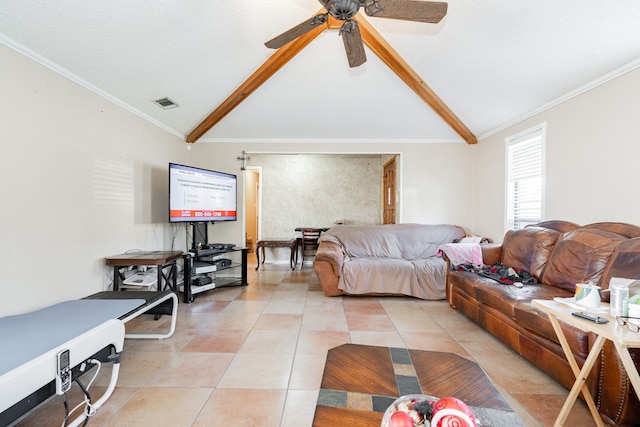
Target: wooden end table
164 260
292 244
622 338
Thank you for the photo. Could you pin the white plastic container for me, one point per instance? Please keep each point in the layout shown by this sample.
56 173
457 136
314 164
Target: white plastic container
619 298
634 310
634 301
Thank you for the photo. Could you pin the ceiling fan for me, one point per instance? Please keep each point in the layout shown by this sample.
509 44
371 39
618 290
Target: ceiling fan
355 31
345 10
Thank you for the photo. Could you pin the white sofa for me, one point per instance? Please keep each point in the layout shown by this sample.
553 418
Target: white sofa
395 259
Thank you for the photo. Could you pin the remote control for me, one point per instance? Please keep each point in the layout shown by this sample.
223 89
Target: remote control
63 373
590 317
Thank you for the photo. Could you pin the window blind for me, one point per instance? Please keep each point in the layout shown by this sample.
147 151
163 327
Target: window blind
525 159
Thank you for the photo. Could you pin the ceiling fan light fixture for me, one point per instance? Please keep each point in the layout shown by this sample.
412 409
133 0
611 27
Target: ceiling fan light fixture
348 27
342 10
165 103
372 7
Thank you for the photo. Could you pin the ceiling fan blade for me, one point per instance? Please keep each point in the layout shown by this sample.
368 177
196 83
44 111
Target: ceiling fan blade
410 10
296 31
350 32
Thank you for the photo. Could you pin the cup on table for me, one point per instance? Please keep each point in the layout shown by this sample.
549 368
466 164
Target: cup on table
587 295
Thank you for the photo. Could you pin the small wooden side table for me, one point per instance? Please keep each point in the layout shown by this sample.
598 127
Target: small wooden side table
162 259
292 244
622 338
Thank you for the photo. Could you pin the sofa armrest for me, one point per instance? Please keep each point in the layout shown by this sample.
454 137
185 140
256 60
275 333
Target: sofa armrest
491 253
332 253
328 265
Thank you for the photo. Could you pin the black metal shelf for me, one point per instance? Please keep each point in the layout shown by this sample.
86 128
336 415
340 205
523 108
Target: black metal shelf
190 272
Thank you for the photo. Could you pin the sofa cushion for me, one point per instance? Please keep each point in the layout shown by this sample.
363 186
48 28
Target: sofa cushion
627 230
624 262
558 225
580 256
505 297
400 241
423 278
467 282
528 249
537 323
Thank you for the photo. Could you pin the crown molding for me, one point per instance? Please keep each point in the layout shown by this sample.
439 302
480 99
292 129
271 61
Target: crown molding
568 96
56 68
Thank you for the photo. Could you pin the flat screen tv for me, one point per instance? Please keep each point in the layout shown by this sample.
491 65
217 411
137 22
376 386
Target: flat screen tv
201 195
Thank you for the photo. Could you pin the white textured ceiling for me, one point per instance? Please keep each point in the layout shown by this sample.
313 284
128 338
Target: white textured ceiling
492 62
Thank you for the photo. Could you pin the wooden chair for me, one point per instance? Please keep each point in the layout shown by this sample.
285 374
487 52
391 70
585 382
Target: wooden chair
309 242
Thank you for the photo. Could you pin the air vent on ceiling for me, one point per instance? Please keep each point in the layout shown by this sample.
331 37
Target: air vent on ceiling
165 103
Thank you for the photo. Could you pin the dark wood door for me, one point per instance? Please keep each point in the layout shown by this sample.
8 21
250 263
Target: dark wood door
389 193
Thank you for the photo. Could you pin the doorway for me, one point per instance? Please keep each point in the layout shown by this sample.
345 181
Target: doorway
288 191
253 178
389 192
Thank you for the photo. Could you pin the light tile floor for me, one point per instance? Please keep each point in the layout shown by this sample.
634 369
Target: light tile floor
254 356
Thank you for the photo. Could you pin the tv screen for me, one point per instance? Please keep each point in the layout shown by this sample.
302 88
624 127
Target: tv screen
201 195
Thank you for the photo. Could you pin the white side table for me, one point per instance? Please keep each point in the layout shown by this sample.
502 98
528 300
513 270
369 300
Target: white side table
622 339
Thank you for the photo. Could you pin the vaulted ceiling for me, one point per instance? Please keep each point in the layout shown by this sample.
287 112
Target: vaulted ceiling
491 63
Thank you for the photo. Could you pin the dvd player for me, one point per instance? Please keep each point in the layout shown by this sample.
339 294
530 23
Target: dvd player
142 279
219 246
222 262
213 249
203 267
207 252
201 280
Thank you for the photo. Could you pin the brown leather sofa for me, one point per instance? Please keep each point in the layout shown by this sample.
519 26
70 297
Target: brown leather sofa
559 254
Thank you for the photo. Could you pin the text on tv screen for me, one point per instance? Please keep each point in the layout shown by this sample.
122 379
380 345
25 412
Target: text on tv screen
197 194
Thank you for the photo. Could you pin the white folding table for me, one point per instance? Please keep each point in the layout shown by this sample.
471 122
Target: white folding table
620 336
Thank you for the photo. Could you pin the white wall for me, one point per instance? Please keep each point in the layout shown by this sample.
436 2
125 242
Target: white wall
81 179
434 178
437 184
316 190
592 154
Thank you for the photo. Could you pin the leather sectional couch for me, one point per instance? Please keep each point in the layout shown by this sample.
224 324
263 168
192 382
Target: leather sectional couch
559 254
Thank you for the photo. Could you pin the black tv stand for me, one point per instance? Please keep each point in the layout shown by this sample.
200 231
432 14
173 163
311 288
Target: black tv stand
207 269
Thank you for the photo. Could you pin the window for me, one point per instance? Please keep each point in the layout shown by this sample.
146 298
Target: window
525 177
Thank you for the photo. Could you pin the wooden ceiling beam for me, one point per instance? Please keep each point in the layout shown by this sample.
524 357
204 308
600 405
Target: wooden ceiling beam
373 40
389 56
261 75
